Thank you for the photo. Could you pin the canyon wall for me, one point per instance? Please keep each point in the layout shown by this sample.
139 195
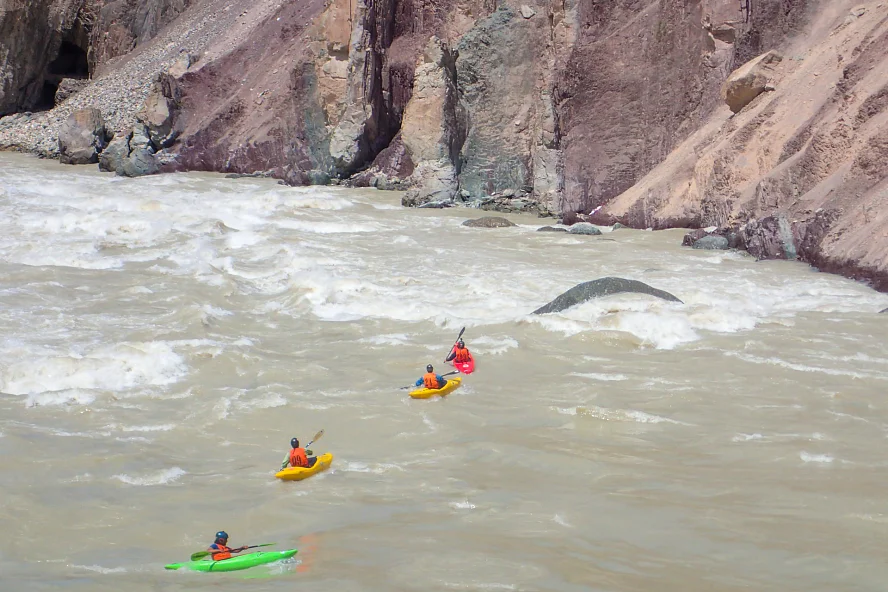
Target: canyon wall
615 107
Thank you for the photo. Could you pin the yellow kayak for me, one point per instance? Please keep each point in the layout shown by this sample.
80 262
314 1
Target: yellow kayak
300 473
424 393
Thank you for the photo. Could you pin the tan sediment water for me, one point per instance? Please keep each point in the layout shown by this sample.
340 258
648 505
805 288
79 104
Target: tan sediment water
164 338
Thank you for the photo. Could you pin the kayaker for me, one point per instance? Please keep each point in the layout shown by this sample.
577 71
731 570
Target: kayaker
219 550
299 457
430 380
460 353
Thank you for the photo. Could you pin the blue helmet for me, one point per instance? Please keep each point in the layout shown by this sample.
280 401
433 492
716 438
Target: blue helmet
294 443
222 535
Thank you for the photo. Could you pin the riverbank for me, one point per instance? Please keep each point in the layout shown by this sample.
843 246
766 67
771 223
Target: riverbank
517 109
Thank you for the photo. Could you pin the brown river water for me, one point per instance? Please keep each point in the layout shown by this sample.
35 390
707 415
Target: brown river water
163 339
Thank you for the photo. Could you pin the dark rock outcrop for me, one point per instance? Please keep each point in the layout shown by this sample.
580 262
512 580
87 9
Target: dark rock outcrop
711 243
68 87
488 222
112 158
584 228
140 162
551 229
598 289
82 137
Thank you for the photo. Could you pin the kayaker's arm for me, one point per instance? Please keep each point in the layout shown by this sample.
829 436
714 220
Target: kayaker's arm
286 462
419 382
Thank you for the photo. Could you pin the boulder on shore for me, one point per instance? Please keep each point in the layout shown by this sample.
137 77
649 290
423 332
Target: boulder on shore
82 137
599 288
489 222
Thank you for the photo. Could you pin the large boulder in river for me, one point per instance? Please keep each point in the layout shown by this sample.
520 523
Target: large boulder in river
750 80
584 228
141 162
488 222
112 158
711 242
599 288
82 137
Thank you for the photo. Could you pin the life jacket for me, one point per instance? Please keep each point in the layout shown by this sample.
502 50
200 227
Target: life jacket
223 552
430 381
462 355
298 458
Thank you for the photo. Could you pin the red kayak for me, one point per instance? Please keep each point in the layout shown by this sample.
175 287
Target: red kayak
465 367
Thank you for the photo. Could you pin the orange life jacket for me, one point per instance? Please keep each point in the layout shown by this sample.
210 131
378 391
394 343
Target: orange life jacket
430 381
298 457
223 552
462 355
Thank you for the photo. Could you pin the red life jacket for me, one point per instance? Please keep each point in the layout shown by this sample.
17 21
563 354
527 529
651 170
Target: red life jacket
430 381
223 552
298 457
462 355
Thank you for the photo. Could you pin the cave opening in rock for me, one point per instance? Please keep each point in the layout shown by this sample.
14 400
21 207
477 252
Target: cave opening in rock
70 63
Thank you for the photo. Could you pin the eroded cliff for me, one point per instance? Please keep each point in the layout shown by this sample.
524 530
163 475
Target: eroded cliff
558 106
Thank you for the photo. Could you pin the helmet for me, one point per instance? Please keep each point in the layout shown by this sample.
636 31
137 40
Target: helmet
461 343
429 368
222 535
294 443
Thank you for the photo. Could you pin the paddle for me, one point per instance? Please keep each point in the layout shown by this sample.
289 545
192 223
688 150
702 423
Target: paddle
410 386
313 440
202 554
463 330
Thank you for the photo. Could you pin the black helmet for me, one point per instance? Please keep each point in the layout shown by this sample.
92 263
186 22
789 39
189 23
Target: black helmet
294 443
461 343
429 368
222 535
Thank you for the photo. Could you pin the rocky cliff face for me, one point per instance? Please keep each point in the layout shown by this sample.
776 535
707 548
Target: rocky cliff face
561 106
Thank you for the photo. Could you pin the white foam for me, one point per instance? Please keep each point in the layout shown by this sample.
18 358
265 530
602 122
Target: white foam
627 415
162 477
493 345
601 377
559 519
463 505
362 467
773 361
113 368
392 339
56 398
100 569
816 458
747 437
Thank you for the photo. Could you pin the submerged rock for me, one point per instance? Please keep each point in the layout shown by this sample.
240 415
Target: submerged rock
711 242
584 228
488 222
551 229
599 288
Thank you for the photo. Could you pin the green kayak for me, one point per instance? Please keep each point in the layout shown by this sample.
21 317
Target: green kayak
235 563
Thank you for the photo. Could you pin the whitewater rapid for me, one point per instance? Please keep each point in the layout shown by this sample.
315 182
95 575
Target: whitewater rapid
164 338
